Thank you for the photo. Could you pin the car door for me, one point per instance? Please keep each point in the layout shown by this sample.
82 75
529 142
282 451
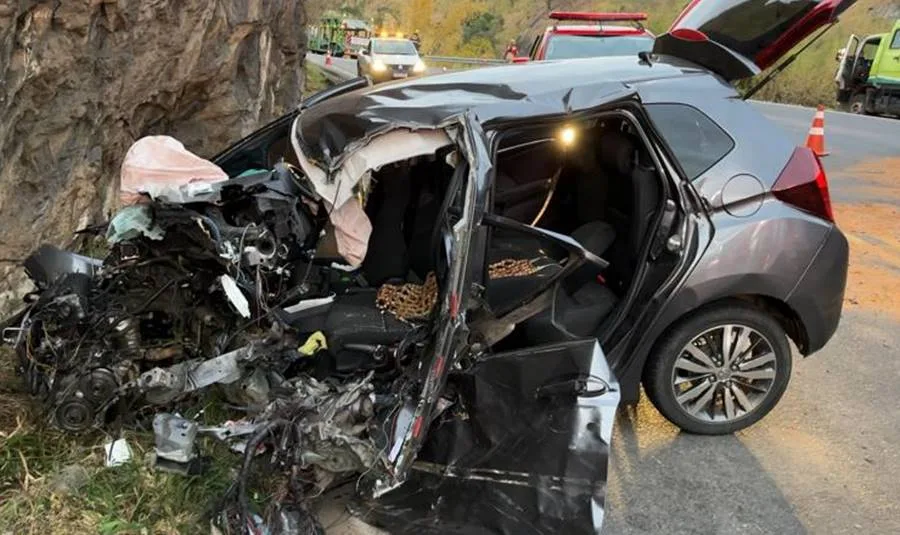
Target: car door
739 38
846 60
566 387
525 449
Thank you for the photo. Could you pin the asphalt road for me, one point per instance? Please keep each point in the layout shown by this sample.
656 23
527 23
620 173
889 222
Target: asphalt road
827 459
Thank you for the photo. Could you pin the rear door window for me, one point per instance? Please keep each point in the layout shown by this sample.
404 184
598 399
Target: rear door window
697 141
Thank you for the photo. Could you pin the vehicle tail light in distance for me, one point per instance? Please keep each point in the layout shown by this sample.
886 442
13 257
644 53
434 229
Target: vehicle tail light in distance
597 17
802 183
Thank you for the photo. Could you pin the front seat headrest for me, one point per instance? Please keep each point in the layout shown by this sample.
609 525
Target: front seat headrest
617 153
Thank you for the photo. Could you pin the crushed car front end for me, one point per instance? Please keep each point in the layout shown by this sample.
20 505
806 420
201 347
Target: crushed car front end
279 287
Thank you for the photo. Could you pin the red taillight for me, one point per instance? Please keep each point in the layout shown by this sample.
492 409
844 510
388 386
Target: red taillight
802 183
687 34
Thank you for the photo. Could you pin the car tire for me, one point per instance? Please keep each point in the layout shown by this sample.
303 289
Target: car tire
857 104
676 384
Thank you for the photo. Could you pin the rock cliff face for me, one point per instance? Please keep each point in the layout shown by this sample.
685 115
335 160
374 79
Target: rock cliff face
80 80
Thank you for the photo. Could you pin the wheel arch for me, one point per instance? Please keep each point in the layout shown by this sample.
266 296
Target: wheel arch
782 312
788 318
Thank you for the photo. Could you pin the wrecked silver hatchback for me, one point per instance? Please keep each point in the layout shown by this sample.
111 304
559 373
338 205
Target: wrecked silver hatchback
341 289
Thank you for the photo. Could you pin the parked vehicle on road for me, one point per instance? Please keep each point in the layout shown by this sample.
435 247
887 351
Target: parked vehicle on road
338 34
389 59
592 35
868 75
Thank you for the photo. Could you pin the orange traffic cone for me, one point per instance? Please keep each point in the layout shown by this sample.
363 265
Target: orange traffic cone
328 57
816 138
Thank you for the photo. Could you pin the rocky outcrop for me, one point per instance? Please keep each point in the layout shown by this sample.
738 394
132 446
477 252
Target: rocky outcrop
80 80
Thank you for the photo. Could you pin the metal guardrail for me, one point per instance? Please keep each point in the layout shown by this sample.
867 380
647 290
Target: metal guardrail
335 75
464 61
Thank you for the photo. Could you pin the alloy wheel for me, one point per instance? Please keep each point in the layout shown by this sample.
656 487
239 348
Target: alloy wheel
724 373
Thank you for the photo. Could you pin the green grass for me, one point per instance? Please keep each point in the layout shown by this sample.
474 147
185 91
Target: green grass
315 80
122 500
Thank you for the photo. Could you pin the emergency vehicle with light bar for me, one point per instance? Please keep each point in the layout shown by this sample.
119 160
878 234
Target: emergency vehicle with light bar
588 34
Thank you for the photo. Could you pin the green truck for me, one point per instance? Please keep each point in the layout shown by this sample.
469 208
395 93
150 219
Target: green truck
339 34
868 78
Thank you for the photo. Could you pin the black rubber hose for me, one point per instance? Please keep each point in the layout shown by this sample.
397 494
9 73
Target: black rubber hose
249 453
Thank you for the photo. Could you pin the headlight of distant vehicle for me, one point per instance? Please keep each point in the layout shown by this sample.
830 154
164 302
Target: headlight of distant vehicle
378 66
420 66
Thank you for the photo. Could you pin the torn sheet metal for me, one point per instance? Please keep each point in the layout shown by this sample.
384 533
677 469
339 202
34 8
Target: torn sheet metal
161 167
338 190
452 336
165 384
397 146
175 450
525 450
332 421
175 437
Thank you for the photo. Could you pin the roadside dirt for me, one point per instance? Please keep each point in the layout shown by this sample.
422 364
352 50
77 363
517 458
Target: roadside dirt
879 178
873 230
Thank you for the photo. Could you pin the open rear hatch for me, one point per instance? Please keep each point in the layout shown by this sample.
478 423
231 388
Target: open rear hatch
740 38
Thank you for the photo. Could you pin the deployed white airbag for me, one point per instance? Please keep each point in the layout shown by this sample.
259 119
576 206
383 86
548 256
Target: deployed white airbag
160 166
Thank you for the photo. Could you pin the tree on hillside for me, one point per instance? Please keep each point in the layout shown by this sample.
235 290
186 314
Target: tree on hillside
482 25
385 15
417 15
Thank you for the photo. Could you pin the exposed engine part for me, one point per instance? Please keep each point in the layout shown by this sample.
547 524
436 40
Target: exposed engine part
318 433
174 437
175 450
182 287
75 415
162 385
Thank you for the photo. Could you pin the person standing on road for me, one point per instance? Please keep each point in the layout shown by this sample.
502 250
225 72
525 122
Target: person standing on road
512 51
416 39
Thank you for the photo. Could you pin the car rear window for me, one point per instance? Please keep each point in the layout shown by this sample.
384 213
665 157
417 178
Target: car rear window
697 141
591 46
